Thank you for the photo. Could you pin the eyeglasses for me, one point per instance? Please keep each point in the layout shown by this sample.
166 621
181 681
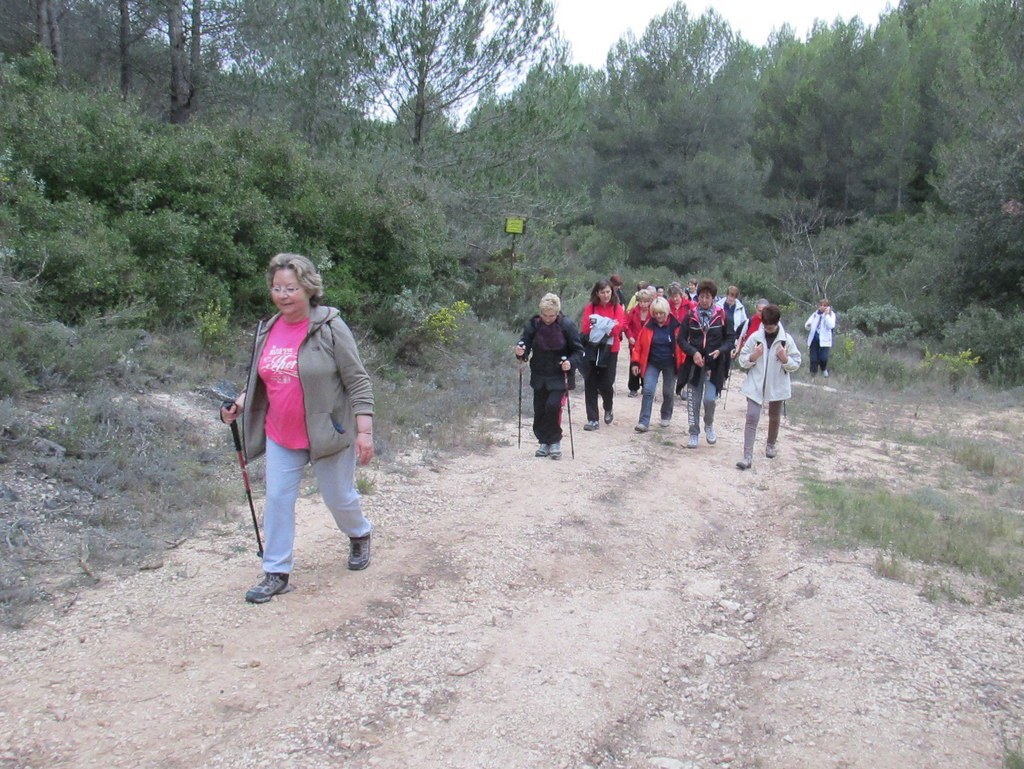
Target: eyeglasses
286 290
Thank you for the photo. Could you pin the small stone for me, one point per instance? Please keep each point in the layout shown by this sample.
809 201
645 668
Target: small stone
749 616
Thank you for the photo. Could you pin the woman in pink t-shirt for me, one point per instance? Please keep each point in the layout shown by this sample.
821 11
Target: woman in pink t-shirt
308 401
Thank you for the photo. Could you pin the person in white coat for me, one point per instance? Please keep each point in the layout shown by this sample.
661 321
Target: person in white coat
769 356
819 327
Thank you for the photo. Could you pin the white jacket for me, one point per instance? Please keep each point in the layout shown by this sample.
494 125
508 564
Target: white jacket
823 324
768 378
739 315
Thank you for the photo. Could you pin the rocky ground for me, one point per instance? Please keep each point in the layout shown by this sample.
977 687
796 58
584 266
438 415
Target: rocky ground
640 606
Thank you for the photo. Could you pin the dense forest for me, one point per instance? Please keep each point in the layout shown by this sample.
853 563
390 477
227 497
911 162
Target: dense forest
154 155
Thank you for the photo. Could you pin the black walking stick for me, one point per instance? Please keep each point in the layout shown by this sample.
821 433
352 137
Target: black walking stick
568 408
224 390
519 440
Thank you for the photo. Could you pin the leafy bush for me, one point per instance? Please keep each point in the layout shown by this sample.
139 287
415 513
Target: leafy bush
956 369
996 338
891 324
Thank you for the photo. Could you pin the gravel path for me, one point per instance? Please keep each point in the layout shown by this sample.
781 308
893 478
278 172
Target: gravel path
640 606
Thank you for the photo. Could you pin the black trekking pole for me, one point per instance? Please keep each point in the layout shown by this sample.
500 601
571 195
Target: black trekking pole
519 440
224 391
568 408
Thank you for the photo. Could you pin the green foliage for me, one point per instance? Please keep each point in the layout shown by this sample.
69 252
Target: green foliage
889 323
996 338
955 368
443 323
860 360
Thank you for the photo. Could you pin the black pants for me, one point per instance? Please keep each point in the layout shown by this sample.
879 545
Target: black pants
819 356
547 413
600 381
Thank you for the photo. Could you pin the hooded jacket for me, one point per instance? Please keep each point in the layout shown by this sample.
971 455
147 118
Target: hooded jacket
768 379
335 386
694 339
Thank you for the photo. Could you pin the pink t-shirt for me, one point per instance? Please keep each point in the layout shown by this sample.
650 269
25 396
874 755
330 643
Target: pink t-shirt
279 370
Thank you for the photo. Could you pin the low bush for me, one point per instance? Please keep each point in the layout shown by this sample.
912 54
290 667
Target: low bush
996 338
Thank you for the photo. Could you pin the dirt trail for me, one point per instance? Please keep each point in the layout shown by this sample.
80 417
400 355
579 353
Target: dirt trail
640 606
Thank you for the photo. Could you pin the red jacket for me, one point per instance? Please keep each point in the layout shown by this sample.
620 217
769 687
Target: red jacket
634 323
683 310
614 311
642 348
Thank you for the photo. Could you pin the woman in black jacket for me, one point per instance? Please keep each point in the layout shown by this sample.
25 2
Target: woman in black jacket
553 346
707 338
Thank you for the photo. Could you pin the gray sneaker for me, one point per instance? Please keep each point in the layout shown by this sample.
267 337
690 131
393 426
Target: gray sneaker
358 552
543 451
556 451
710 434
591 426
770 451
268 587
641 428
608 417
746 462
694 441
666 422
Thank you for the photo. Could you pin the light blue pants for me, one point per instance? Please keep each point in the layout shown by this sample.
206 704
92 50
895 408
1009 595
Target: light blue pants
702 392
667 372
335 477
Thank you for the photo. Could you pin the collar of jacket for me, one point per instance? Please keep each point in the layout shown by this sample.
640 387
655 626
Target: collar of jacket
318 317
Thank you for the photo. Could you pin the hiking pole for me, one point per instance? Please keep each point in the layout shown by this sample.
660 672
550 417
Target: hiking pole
568 408
519 440
224 391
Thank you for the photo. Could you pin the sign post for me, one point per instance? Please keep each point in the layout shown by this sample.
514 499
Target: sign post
514 225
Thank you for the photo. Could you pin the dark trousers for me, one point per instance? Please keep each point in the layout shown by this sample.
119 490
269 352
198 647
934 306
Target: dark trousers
547 415
819 356
600 381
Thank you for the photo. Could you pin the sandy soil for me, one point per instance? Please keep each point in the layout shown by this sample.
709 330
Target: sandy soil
641 605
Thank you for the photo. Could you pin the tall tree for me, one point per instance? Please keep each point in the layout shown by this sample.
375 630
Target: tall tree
671 164
435 57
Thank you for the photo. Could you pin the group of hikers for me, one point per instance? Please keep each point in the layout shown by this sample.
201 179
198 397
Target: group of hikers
685 337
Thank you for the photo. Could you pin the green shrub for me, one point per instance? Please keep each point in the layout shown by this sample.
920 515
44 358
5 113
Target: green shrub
891 324
996 338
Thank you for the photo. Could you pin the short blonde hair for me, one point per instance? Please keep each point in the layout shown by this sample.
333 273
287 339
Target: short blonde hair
550 302
645 295
660 305
305 273
733 291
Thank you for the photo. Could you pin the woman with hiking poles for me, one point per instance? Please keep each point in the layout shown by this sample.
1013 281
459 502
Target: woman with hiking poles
605 319
552 344
308 400
707 339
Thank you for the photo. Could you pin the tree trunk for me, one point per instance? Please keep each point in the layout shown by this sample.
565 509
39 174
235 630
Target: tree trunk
124 32
195 52
43 23
180 90
56 46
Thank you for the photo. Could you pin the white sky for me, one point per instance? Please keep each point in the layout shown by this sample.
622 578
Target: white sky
592 27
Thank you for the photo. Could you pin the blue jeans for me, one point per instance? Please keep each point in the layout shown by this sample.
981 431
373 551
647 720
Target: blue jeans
702 392
335 477
668 386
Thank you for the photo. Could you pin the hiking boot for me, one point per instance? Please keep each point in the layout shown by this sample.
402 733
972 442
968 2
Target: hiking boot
543 451
710 434
666 422
694 441
770 451
556 451
608 417
634 393
358 552
591 426
746 462
641 428
268 587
